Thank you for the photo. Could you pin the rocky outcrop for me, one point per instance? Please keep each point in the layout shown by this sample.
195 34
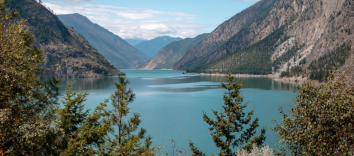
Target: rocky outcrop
200 53
170 54
62 45
315 28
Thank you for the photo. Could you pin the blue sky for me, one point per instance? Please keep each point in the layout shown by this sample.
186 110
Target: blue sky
148 19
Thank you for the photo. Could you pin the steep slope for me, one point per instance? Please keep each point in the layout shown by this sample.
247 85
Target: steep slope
61 44
200 53
289 36
112 47
134 42
171 53
152 47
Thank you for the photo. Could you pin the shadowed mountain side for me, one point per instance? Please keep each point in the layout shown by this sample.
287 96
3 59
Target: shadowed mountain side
134 42
170 54
112 47
62 45
152 47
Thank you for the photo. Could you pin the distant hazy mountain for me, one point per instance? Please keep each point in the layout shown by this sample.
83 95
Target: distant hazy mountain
134 42
152 47
171 53
61 44
112 47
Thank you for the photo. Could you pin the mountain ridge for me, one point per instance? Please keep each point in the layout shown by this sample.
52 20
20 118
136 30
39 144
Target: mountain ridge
171 53
287 37
153 46
116 50
61 44
196 55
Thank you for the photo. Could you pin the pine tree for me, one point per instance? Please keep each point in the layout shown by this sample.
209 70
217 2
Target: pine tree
71 116
125 140
230 121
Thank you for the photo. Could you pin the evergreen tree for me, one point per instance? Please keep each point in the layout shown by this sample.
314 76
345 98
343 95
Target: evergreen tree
230 121
125 140
27 104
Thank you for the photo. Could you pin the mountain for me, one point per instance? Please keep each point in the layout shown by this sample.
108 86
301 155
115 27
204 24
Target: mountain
112 47
200 54
151 47
134 42
310 36
61 44
170 54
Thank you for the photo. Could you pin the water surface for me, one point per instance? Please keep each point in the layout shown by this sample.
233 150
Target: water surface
172 104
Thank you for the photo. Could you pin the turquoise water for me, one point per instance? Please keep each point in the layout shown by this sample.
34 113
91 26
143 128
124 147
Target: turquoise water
172 104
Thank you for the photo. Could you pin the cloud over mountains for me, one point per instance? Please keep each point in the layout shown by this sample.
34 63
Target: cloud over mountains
134 22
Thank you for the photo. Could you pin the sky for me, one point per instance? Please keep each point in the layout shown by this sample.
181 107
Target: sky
148 19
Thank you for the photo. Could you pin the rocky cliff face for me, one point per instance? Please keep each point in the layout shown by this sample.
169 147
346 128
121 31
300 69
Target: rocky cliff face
170 54
291 30
116 50
61 44
200 53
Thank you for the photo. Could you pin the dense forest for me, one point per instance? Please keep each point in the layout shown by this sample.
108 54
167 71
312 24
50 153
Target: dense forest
321 68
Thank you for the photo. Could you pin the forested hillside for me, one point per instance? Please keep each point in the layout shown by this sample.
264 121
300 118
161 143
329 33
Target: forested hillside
283 36
199 54
116 50
61 44
170 54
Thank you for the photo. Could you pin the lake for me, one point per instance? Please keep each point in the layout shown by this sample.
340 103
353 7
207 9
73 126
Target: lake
172 104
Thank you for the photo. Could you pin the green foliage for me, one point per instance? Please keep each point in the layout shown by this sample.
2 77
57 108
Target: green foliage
321 123
31 122
321 68
232 121
125 142
27 103
294 71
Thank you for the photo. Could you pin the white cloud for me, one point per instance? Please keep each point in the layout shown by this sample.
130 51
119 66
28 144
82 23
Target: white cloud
135 22
76 1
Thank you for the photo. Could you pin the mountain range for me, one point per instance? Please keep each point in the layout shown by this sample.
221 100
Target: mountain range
279 35
116 50
152 47
170 54
134 42
61 44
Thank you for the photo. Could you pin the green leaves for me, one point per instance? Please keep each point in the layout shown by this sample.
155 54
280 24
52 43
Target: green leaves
232 120
321 122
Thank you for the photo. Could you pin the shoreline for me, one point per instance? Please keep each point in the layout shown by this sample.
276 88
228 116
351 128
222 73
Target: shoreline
238 75
275 77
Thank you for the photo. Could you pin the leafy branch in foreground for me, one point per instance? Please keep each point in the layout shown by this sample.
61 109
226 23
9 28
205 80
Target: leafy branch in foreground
321 123
27 103
231 121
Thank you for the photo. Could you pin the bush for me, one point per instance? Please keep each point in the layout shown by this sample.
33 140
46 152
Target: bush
321 123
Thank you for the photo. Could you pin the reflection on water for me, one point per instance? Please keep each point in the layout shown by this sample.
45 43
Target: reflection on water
89 83
172 104
180 83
